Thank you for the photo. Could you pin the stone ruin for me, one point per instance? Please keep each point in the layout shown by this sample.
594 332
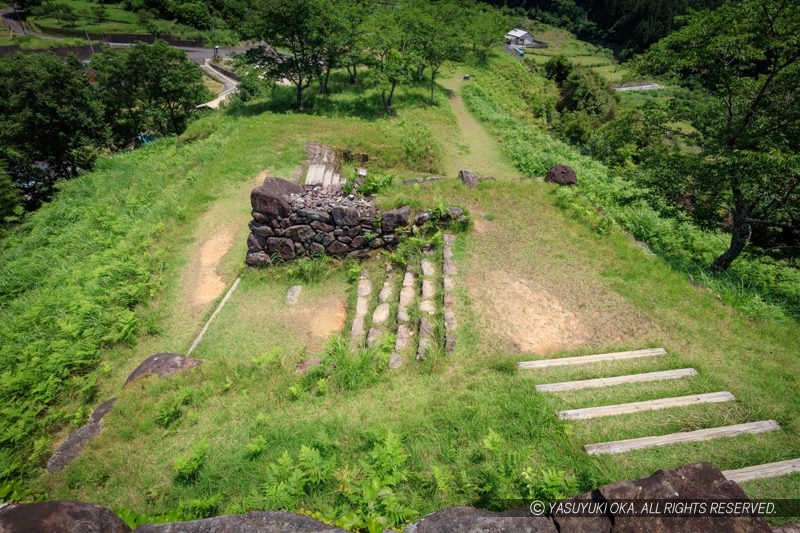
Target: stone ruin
292 220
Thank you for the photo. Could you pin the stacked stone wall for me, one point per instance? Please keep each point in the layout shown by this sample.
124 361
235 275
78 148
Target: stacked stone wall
292 220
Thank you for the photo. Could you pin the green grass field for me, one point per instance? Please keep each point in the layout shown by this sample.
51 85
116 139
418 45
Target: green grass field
234 434
29 42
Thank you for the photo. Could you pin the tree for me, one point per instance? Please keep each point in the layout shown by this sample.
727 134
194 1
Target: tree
353 14
392 58
437 31
295 31
746 56
148 88
9 196
52 124
486 29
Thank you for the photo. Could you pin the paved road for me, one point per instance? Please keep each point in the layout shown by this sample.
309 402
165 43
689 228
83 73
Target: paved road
9 20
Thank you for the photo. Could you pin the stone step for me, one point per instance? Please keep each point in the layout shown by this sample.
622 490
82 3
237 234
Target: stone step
327 177
449 271
768 470
363 294
427 306
585 359
315 174
621 446
649 405
405 333
618 380
380 316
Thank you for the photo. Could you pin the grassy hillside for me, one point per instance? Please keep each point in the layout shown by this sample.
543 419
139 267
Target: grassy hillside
104 277
77 275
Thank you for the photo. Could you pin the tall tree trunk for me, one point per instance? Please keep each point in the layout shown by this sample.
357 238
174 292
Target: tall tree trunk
433 83
740 234
387 101
324 86
352 70
298 102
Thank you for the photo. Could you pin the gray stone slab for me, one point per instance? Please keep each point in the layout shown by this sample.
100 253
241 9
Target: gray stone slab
71 447
428 289
381 314
162 364
427 306
293 293
428 268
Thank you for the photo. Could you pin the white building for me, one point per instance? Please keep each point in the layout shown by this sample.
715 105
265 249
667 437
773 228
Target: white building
519 37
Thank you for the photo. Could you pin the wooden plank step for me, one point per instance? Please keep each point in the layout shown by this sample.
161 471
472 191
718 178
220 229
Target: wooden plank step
618 380
781 468
584 359
315 174
620 446
649 405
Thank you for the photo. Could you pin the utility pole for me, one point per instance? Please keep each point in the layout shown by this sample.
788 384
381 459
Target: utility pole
16 16
87 36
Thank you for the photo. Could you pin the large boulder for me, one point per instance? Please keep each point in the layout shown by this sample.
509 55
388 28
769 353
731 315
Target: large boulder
468 178
272 198
60 516
253 522
562 175
469 519
701 481
396 218
162 364
71 447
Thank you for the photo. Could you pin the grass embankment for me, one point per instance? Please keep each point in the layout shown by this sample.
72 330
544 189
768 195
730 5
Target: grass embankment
244 431
29 42
116 19
562 43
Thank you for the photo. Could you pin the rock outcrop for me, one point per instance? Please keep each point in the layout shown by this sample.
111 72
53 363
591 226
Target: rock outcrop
60 516
561 175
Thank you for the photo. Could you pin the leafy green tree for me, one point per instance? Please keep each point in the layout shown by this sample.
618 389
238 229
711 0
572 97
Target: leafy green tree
295 31
353 15
52 124
392 57
746 56
438 35
486 29
10 203
148 88
99 13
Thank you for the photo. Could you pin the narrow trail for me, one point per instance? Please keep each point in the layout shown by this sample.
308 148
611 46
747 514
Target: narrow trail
473 149
523 300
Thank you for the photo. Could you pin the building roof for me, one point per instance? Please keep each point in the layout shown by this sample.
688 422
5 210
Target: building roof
516 32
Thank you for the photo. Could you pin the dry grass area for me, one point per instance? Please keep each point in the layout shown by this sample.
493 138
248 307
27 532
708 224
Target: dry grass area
212 85
537 297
